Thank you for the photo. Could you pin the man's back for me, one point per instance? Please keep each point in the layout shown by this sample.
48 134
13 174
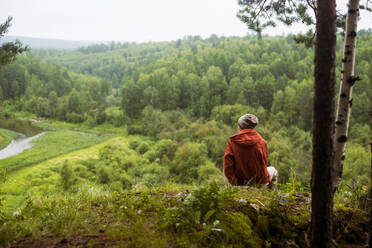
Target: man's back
245 159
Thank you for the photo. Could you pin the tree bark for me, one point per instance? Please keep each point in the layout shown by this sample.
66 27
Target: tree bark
323 125
370 207
345 99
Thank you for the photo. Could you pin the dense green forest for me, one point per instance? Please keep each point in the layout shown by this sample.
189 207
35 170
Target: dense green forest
190 92
153 119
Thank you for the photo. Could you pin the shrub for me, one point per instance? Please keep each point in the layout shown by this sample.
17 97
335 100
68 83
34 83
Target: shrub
115 117
104 175
201 208
82 171
116 186
143 147
74 117
155 174
151 155
187 160
126 181
166 147
209 172
127 162
67 176
133 144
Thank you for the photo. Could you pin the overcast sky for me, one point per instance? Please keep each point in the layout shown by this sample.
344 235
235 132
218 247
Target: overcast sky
130 20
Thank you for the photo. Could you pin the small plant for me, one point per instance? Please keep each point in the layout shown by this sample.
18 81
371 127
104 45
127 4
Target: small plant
354 195
67 176
292 187
199 210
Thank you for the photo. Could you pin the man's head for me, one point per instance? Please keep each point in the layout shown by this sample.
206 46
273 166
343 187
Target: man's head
248 121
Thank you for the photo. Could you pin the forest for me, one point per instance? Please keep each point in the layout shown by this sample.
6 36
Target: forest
158 115
192 91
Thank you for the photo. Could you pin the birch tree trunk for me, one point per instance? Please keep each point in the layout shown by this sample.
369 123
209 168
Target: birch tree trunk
323 125
345 96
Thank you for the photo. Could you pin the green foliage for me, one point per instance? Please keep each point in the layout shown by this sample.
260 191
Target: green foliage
142 148
165 148
209 216
294 105
357 165
240 231
74 117
52 144
21 126
259 15
115 117
184 97
201 208
349 225
6 137
67 176
9 50
208 173
134 143
293 187
186 161
104 174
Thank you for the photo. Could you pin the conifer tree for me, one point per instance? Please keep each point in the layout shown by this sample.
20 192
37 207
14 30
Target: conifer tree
259 14
9 50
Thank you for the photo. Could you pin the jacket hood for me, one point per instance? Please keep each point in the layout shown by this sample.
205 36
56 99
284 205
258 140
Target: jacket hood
246 137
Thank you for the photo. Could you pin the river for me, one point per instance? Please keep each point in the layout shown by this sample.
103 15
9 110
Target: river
18 145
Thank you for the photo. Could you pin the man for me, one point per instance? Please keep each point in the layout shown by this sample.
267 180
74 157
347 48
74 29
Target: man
245 159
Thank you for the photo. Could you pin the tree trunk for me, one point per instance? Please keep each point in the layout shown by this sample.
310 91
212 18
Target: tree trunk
345 96
370 207
323 125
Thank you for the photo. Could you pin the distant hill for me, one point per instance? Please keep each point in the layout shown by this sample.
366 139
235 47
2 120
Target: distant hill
48 43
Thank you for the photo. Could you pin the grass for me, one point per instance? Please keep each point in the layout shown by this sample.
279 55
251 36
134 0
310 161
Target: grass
6 136
83 127
172 217
50 145
43 178
21 126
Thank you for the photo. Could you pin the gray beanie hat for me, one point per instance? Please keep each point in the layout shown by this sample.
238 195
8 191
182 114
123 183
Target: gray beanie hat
248 121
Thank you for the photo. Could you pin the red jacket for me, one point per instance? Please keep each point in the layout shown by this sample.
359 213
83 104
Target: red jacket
245 159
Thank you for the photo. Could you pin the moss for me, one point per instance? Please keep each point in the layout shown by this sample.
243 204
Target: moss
273 221
350 225
300 220
240 232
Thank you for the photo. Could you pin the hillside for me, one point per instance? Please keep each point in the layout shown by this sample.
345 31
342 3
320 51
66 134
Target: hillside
110 195
134 140
41 43
209 216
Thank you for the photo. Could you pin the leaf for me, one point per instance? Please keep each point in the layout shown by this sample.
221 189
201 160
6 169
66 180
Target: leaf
209 214
197 217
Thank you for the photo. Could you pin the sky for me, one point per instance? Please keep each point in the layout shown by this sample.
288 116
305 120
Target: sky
131 20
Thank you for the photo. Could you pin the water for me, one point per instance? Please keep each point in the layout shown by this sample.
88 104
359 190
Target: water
18 145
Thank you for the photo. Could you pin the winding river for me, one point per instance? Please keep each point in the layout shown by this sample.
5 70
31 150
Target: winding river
18 145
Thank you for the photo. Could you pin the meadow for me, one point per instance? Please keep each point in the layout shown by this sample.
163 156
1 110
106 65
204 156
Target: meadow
53 143
6 136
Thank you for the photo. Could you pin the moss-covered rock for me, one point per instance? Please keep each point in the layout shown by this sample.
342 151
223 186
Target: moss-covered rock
350 226
240 231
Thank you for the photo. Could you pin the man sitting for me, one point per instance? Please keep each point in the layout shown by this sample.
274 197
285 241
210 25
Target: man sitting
245 159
